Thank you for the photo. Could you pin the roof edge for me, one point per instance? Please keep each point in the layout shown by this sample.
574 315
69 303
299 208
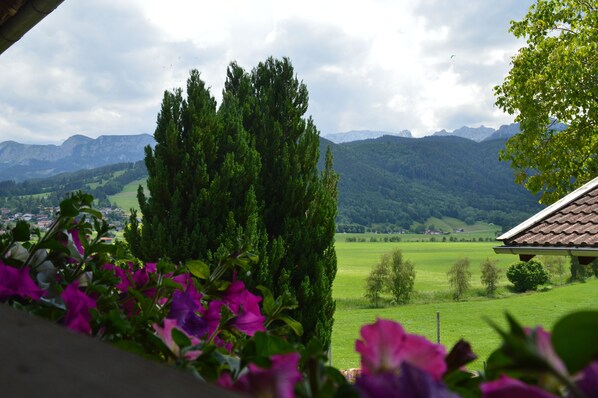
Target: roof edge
26 18
543 250
550 209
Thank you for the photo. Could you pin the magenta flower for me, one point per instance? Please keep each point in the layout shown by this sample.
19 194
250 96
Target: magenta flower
278 381
165 334
588 380
411 382
249 322
17 282
236 296
385 346
506 387
245 305
78 306
191 315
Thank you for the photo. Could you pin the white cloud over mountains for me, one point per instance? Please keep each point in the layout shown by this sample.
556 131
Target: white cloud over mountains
100 67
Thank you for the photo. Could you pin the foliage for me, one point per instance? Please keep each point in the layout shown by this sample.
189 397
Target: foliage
553 80
527 275
297 203
401 277
376 282
491 274
555 265
201 179
215 328
459 277
579 272
397 182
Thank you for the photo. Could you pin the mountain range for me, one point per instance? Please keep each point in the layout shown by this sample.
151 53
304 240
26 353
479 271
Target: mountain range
477 134
390 180
20 162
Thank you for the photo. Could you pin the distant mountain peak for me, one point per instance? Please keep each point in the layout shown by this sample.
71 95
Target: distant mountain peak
360 135
22 161
477 134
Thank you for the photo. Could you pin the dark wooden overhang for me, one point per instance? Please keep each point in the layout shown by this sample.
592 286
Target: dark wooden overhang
17 17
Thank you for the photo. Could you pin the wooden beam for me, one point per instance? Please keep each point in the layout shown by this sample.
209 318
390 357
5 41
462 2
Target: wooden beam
526 257
586 260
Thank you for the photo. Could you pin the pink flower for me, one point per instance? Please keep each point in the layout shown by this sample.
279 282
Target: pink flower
165 335
543 345
17 282
506 387
385 346
278 381
78 306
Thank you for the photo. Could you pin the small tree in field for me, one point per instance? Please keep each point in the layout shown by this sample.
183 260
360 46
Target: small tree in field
401 277
376 282
490 275
459 277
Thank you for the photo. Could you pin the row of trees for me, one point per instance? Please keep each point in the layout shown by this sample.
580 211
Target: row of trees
395 276
243 176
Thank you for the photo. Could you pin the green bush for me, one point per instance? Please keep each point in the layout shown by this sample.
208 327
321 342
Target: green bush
527 275
491 274
459 277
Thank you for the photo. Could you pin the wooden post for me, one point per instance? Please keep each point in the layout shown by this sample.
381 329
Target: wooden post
438 327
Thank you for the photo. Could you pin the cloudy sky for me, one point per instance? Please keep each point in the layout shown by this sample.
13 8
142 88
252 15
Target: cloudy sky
100 67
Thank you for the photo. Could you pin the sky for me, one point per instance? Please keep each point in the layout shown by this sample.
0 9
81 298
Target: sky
100 67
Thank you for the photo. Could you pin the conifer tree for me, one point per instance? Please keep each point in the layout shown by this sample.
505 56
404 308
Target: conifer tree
201 180
297 203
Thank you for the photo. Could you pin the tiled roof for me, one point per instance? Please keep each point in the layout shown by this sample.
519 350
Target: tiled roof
571 222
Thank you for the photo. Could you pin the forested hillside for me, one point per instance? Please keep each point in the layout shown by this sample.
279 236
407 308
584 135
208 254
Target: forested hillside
398 181
391 182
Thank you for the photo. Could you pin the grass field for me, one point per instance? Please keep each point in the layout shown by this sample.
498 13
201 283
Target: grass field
127 198
458 319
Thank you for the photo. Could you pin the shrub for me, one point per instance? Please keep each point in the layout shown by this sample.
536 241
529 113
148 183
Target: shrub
401 278
579 272
376 282
490 275
527 275
459 277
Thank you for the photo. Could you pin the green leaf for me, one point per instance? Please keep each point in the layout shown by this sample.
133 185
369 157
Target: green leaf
199 269
68 208
266 345
268 303
293 324
180 338
575 339
21 232
53 245
93 212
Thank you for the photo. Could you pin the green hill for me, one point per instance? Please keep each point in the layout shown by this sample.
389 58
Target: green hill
401 181
389 183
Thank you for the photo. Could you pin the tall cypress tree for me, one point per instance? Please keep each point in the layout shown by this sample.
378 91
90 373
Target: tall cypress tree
297 204
201 180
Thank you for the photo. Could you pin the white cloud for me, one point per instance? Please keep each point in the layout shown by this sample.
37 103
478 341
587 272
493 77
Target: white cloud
101 66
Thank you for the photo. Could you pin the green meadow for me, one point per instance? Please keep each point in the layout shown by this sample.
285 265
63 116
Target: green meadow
464 319
127 198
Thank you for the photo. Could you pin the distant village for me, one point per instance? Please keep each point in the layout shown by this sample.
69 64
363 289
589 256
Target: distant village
43 217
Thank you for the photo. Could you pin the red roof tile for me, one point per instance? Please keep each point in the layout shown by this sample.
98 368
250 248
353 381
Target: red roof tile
572 222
